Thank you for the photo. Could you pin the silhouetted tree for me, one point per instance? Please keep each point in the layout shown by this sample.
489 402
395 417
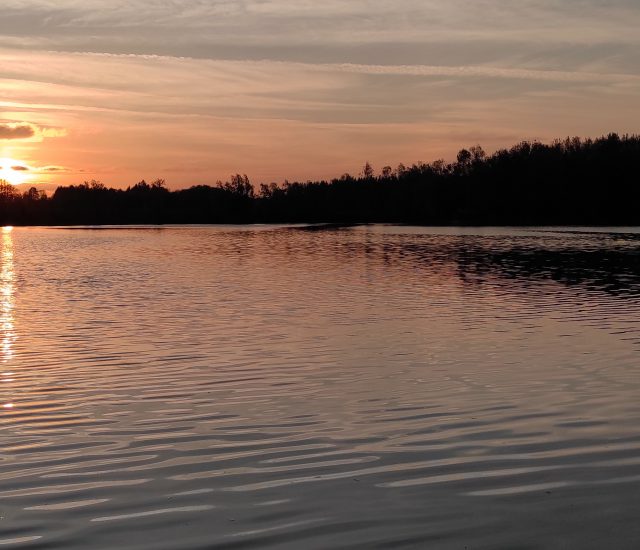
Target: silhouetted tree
367 171
568 182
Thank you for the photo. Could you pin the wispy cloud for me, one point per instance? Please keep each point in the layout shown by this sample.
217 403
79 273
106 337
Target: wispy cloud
483 72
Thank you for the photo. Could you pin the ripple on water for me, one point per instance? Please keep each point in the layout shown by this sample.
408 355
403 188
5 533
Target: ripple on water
372 387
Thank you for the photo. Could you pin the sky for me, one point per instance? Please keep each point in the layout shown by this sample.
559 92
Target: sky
193 91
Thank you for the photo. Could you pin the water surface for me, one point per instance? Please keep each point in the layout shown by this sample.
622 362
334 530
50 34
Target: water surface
367 387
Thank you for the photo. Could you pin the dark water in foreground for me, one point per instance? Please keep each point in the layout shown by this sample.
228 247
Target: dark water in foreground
374 387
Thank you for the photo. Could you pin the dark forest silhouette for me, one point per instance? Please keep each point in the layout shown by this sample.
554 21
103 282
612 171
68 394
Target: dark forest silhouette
568 182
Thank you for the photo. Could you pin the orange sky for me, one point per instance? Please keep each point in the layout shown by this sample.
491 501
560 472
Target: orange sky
193 91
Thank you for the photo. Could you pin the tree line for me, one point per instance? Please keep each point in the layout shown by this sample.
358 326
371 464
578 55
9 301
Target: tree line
568 182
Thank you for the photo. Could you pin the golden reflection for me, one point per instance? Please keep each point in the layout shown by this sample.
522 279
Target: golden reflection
7 304
7 289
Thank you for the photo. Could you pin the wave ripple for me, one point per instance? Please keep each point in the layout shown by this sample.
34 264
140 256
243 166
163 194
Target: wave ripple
365 387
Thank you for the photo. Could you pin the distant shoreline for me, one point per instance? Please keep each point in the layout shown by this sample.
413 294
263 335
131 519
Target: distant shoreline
318 227
570 182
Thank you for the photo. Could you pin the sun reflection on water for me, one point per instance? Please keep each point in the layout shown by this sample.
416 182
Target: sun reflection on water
7 289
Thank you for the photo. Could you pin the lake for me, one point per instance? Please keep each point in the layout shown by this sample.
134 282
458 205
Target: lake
281 387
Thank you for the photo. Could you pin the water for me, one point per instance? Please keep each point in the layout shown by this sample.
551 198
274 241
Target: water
371 387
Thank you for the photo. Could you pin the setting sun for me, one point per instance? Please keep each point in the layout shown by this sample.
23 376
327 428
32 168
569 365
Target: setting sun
13 171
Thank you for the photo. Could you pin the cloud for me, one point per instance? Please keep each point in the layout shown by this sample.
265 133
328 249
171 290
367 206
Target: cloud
29 131
51 132
481 71
16 131
253 27
51 169
157 86
20 168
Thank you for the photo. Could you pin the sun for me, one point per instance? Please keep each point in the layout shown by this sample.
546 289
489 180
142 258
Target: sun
14 171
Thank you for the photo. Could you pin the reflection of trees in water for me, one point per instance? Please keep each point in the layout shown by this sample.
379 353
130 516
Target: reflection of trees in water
607 262
615 271
603 262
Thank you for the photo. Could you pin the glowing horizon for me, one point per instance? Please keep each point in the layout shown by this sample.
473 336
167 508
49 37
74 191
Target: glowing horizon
14 171
277 89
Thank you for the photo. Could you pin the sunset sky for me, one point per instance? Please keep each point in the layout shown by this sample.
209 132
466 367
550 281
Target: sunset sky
195 90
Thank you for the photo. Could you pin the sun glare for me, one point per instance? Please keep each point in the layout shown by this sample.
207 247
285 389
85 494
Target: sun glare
13 171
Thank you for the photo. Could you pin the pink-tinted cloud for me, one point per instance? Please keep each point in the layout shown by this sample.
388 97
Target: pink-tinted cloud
16 131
